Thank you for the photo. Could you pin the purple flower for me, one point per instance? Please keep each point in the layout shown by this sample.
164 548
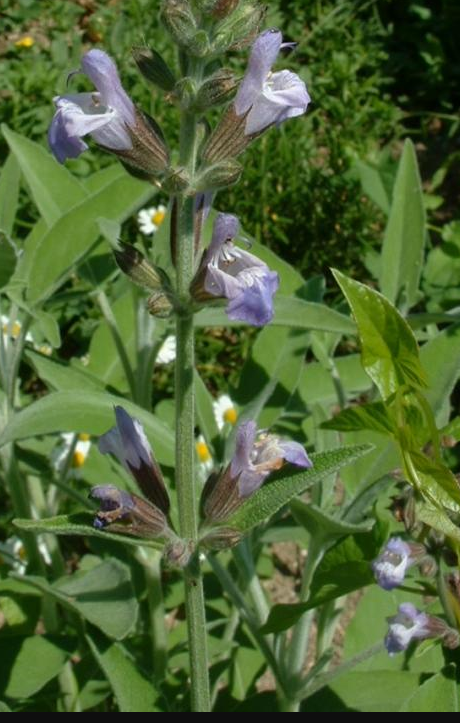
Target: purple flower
269 98
391 565
127 441
128 514
256 457
409 624
232 273
105 115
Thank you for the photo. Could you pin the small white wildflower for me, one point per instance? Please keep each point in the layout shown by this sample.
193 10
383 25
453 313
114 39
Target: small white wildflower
150 219
203 454
224 411
167 351
79 454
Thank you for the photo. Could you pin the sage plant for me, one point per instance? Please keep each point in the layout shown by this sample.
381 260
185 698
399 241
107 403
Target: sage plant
224 273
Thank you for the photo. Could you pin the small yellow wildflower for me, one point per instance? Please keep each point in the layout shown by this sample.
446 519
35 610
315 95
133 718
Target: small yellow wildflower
26 42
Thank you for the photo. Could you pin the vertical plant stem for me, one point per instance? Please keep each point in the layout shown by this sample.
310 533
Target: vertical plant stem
151 562
185 425
298 647
118 341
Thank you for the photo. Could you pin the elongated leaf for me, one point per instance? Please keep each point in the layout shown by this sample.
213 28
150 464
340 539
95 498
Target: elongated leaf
389 351
316 383
53 187
272 373
62 377
440 357
289 311
438 519
279 492
382 691
367 416
71 237
204 410
402 252
88 412
344 568
373 184
318 523
103 595
9 193
28 664
133 692
439 694
8 260
80 523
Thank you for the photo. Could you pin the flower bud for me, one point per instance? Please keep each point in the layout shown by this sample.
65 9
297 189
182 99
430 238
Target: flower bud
216 89
159 305
178 553
199 45
185 93
153 68
221 538
238 30
149 154
179 20
177 180
136 266
217 8
219 175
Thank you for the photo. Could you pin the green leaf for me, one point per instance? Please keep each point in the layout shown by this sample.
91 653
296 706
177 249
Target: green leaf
133 692
103 595
402 252
316 383
8 260
389 351
74 233
279 492
53 187
439 357
28 664
372 182
271 374
4 708
204 410
85 411
438 694
289 311
436 518
344 569
367 416
80 523
320 524
382 691
49 328
9 194
60 376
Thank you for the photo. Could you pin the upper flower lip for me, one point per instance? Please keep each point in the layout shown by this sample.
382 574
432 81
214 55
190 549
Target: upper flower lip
269 98
128 442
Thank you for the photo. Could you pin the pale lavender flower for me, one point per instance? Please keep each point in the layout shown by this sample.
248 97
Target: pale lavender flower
269 98
106 114
409 624
256 457
128 442
391 565
232 273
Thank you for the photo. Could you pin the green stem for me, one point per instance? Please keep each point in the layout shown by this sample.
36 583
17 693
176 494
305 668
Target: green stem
185 425
151 562
119 343
300 635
